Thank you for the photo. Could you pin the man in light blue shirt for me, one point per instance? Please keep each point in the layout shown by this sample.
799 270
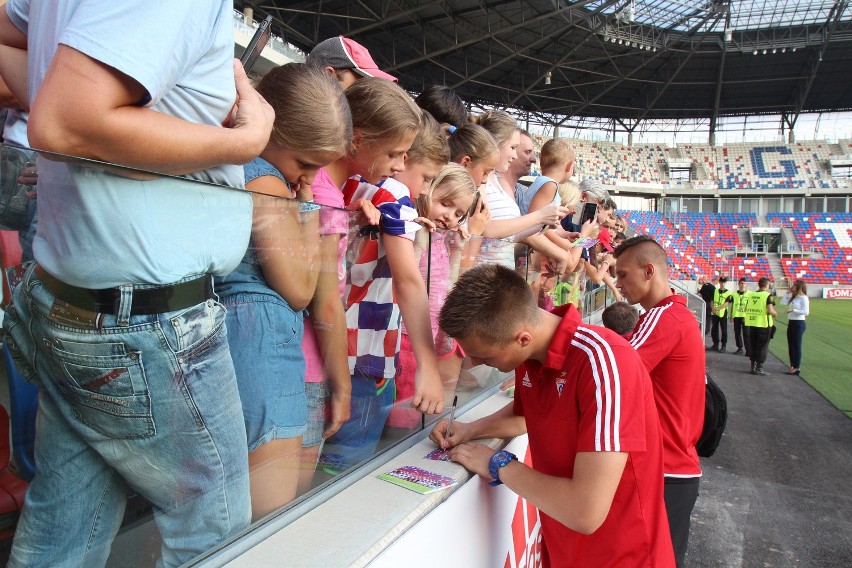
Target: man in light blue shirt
116 321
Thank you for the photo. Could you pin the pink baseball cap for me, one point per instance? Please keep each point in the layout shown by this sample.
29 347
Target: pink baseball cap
344 53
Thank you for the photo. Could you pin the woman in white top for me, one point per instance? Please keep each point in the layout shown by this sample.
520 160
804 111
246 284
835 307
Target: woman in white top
506 219
799 306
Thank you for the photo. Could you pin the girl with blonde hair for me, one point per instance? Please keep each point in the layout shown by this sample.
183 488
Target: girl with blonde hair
385 124
442 208
275 281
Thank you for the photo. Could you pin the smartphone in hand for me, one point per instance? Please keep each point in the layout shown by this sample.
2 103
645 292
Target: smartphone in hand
589 211
257 43
475 207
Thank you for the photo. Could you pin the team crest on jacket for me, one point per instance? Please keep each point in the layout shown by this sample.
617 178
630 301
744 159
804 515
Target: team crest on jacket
560 385
526 382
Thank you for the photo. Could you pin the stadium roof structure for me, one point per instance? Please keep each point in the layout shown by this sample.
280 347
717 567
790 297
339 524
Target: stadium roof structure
625 60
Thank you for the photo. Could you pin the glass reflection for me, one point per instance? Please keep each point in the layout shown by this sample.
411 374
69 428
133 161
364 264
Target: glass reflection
316 249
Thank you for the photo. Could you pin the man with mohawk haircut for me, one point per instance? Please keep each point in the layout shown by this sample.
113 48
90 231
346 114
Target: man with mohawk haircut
668 339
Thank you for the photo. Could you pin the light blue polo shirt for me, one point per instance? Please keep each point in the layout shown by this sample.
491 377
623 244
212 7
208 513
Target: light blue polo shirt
98 229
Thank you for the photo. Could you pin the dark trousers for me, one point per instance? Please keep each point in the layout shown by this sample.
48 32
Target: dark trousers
680 494
759 337
741 335
719 322
708 317
795 331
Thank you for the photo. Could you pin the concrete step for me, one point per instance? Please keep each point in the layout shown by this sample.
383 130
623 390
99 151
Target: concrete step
777 270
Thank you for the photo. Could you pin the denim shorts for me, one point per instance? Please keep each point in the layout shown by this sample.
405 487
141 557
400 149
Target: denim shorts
138 403
318 397
265 336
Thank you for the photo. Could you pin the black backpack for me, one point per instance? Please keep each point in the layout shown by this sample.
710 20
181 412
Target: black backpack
715 419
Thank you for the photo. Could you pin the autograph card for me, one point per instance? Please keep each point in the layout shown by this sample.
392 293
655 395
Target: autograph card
417 479
438 455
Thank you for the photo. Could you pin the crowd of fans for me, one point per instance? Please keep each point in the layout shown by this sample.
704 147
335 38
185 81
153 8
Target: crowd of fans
158 315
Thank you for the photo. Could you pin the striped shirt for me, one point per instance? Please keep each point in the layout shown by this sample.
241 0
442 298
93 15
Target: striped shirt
372 314
592 394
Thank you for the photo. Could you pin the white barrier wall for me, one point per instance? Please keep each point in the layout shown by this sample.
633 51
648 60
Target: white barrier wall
478 525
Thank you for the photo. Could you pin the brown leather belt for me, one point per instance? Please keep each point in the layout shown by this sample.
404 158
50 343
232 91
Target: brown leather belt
145 301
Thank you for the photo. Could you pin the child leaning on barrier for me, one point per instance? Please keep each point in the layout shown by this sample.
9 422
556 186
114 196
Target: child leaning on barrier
276 279
446 204
384 282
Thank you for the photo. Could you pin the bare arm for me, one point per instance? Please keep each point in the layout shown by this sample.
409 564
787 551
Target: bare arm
611 285
88 109
581 502
7 99
559 259
598 274
287 241
13 63
502 228
329 321
410 292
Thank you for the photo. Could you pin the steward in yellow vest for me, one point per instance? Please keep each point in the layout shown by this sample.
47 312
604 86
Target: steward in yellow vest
738 311
721 299
759 314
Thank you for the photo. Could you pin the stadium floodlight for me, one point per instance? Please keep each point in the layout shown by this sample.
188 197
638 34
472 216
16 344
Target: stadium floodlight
548 78
764 52
774 50
754 52
729 34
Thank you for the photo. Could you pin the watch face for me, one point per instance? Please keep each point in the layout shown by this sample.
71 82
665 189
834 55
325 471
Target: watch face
497 461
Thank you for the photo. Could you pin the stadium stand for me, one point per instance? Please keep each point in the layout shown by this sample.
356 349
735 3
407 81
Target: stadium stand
701 243
828 234
801 165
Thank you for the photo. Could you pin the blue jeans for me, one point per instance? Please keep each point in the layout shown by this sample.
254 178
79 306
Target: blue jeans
147 404
359 436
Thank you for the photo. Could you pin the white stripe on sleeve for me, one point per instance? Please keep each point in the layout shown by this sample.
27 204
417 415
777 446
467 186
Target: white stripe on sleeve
607 388
647 326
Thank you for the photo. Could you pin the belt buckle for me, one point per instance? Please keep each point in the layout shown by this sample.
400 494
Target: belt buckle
65 314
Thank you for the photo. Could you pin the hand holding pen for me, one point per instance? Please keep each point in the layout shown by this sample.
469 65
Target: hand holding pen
445 429
452 417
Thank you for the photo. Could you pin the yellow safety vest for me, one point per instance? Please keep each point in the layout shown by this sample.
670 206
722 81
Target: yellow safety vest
740 303
720 299
756 314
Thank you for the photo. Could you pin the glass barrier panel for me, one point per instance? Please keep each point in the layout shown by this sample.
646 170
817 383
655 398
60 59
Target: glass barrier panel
180 398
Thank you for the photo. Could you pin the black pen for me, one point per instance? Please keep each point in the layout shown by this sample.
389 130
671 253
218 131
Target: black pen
452 416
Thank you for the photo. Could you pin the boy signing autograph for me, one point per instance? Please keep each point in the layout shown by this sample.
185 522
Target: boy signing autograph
586 401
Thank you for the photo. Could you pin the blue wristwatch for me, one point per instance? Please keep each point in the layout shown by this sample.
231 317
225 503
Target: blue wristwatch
498 460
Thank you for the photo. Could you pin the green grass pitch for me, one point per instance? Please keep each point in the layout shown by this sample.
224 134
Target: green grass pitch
826 349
